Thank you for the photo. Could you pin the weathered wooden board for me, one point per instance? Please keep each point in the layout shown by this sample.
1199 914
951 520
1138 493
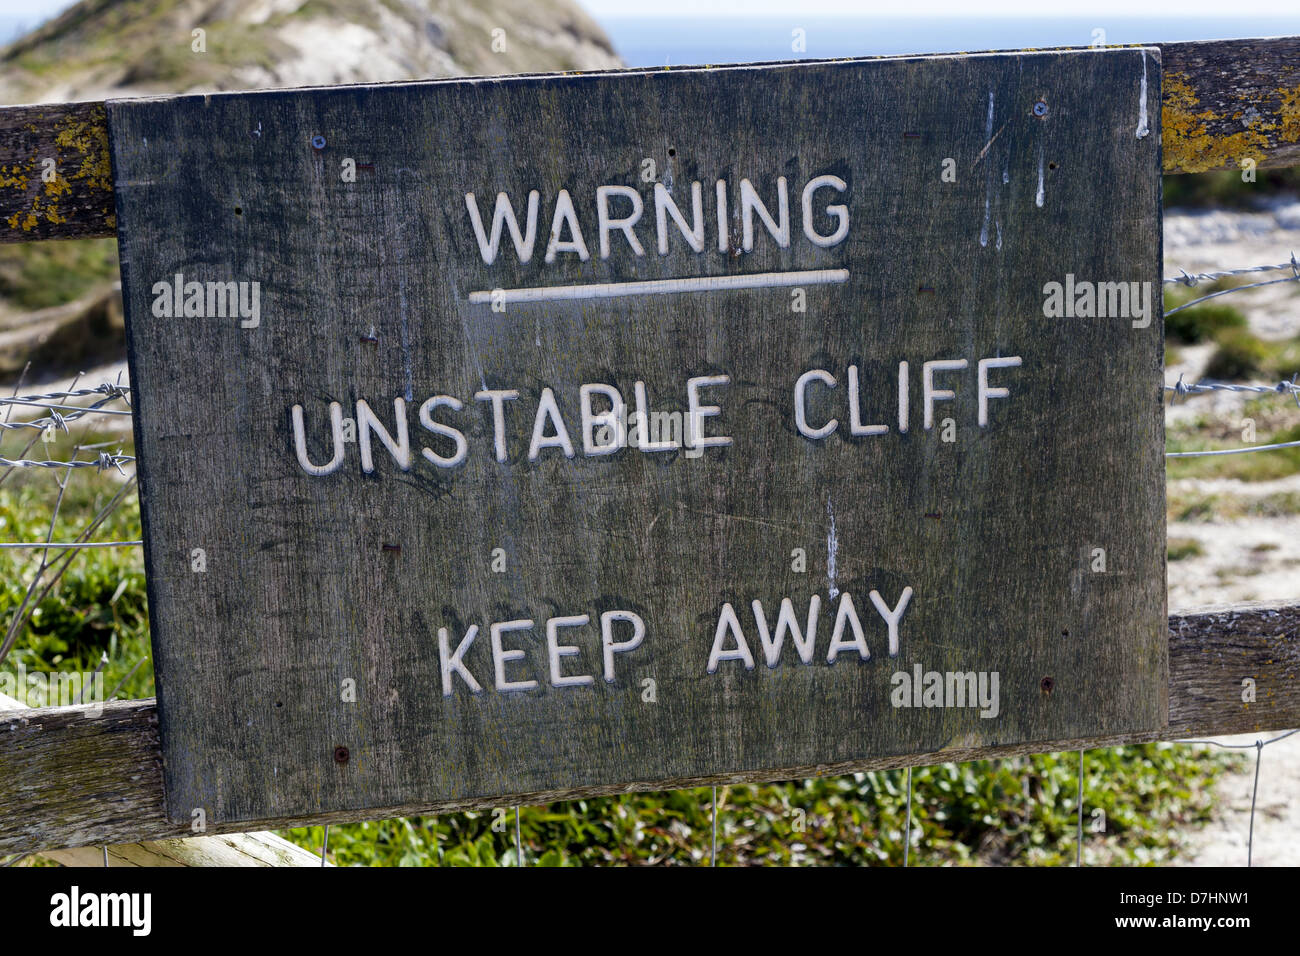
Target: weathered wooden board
108 761
55 177
1224 101
297 616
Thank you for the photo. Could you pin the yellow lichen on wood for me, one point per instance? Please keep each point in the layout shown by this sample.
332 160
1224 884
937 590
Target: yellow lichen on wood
13 178
1288 112
1190 146
90 140
81 167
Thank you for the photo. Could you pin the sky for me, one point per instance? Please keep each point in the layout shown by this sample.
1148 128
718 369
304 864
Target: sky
32 9
1028 9
1202 19
35 10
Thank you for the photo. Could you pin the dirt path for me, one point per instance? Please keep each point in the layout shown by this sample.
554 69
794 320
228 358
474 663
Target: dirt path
1277 811
1242 558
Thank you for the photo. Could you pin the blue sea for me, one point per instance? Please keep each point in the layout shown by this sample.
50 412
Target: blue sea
645 41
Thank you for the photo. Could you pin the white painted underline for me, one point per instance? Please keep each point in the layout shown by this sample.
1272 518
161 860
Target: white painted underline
610 290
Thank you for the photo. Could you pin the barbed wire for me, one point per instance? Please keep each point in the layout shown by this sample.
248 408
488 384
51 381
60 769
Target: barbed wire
102 462
1192 280
110 389
1179 389
57 418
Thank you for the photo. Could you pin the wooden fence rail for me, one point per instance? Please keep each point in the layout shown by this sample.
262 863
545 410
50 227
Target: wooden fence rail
238 849
1224 101
71 778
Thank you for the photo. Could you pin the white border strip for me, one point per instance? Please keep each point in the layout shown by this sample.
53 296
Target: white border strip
610 290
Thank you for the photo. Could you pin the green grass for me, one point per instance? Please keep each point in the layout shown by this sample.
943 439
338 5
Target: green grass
1195 507
99 606
1179 549
1200 322
1225 190
1249 466
1241 356
1020 810
1280 504
36 275
1192 507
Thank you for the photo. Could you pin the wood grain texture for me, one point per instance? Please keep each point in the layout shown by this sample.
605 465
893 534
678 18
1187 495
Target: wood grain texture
368 295
1213 650
117 753
1224 100
76 202
236 849
1230 100
72 779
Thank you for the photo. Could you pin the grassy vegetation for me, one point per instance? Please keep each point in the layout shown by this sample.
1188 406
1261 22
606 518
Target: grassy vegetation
36 275
1019 811
1225 190
1241 356
98 607
1204 321
1254 466
1197 507
1179 549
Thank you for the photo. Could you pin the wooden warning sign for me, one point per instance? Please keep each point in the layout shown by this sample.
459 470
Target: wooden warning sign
518 437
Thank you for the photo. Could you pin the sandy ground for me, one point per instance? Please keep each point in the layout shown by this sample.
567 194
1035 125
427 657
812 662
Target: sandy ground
1245 558
1277 810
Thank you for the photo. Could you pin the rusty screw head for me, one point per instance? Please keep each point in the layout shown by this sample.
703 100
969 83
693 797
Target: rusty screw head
341 755
1047 684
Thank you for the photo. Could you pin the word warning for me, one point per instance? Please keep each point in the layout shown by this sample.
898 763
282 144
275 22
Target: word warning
508 438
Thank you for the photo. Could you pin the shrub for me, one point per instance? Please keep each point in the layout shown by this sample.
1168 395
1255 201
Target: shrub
1182 548
1205 321
1240 355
